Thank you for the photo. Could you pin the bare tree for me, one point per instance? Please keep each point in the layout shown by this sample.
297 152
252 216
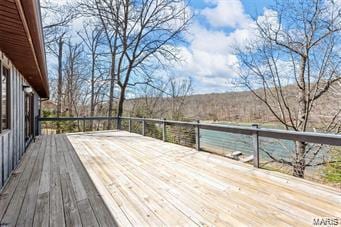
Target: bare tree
59 54
149 100
55 47
162 98
141 32
74 81
333 122
92 36
148 31
107 13
296 56
56 19
178 91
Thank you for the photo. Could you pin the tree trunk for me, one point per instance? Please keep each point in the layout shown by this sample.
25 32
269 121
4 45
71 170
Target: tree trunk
70 101
120 106
123 94
299 161
60 81
92 102
111 94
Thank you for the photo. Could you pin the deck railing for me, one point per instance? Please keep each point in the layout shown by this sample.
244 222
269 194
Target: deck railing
202 136
262 147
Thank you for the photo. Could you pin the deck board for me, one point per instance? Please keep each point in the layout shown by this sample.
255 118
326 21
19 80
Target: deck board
26 214
150 182
16 201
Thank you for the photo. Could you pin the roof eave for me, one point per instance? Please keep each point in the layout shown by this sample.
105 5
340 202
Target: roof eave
30 15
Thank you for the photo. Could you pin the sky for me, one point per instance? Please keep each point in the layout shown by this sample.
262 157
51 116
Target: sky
217 27
207 53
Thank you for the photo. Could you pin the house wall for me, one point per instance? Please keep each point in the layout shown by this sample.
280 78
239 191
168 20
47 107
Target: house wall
12 141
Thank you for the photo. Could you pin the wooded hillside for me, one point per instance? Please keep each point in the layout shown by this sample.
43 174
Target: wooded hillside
236 107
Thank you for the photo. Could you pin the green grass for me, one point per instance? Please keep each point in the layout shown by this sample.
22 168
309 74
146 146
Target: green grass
332 171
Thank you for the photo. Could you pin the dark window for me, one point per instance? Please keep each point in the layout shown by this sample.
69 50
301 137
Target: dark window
5 89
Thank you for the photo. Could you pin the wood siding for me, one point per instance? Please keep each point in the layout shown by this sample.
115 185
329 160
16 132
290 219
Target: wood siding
12 141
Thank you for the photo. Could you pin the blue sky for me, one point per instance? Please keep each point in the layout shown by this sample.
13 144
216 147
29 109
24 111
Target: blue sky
218 26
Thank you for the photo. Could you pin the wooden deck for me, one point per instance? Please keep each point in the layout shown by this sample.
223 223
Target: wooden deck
50 187
146 182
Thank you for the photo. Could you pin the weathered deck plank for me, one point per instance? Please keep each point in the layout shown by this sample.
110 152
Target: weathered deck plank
155 183
8 191
42 210
28 207
72 216
12 212
42 192
56 199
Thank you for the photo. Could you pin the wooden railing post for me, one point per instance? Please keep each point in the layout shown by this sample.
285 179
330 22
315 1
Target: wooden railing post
83 123
143 127
164 130
129 124
197 135
255 141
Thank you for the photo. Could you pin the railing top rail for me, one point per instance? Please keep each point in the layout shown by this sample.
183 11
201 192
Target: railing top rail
141 119
309 137
75 118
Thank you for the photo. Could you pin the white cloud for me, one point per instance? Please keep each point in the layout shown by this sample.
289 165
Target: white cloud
209 58
226 13
211 65
205 39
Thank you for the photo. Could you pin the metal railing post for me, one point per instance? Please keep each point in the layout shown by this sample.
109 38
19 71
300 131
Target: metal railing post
38 132
143 127
2 179
255 142
38 126
83 123
197 135
129 124
118 123
164 130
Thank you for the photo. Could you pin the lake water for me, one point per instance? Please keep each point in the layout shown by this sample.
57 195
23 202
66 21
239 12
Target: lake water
225 143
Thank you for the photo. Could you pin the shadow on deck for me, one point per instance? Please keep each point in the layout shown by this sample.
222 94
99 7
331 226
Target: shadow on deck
142 181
